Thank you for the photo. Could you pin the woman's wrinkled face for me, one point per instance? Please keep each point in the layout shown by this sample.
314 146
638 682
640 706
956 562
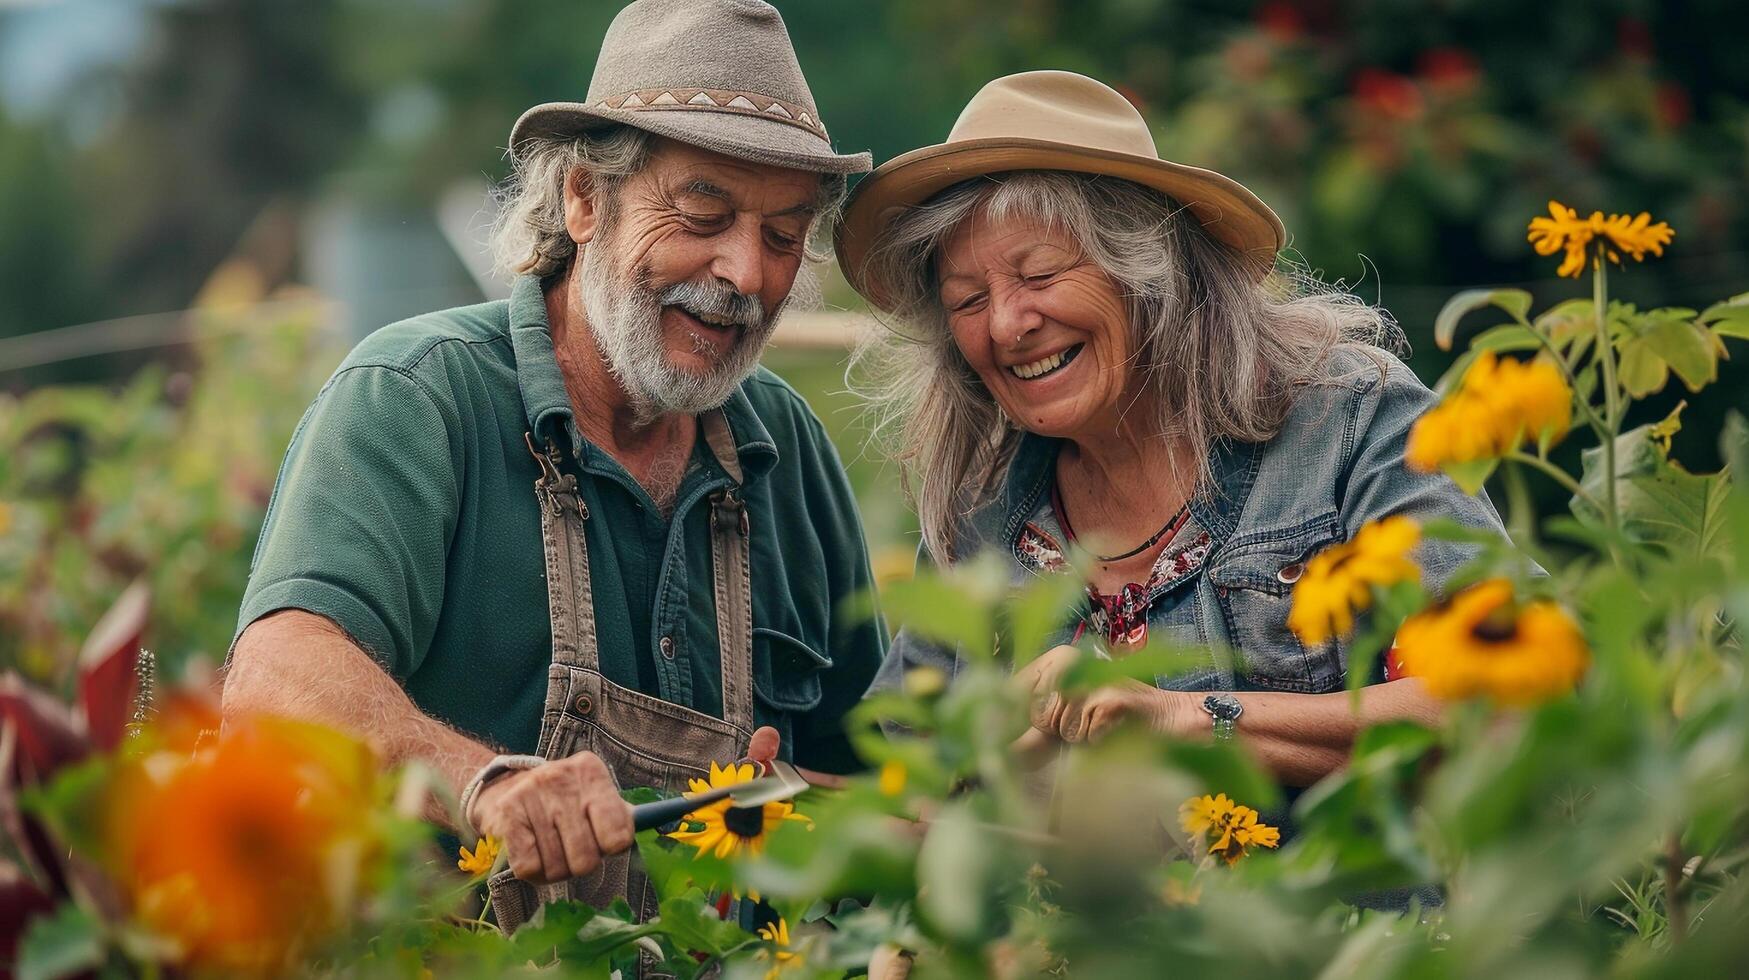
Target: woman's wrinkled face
1044 328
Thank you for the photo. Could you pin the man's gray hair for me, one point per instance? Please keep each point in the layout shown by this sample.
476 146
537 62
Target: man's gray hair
529 235
1221 353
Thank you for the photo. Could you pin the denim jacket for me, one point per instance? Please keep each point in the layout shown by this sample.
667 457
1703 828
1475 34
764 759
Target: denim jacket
1226 579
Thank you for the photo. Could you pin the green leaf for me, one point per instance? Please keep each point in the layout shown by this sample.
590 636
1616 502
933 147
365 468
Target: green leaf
1641 371
554 925
673 867
1037 612
1506 337
1515 303
1689 351
69 803
953 609
693 925
956 878
1222 767
1472 474
1660 503
1728 318
1567 321
601 935
1159 659
66 943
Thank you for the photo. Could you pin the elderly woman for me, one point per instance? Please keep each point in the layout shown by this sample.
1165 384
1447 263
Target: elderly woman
1099 360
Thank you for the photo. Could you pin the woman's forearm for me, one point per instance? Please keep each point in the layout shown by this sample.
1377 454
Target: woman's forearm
1301 738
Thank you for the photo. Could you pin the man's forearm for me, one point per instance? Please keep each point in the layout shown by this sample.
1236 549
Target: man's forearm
300 665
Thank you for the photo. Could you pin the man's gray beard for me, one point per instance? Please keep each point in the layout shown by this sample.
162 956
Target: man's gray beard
625 319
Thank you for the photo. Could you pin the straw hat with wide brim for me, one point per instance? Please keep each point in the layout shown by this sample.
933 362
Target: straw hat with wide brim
1050 120
718 74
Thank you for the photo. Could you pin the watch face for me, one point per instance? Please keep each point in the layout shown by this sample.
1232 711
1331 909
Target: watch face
1223 706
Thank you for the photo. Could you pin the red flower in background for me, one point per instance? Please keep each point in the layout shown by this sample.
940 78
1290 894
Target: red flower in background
1449 70
1634 39
1281 21
1673 106
1388 94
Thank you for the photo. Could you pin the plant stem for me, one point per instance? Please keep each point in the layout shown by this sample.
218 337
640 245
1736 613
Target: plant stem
1674 910
1611 396
1584 404
1520 516
1557 474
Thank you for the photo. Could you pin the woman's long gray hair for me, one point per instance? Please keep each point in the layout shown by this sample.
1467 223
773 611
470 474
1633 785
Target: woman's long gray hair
1220 354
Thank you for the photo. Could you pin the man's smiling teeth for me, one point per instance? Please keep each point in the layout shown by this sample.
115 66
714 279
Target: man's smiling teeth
711 318
1044 365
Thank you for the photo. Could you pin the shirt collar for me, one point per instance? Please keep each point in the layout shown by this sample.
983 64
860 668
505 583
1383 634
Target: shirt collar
549 406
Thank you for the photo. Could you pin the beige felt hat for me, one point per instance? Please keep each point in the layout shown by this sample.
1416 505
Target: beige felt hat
718 74
1050 120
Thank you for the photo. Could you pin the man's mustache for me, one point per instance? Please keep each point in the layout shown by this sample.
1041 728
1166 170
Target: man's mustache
715 301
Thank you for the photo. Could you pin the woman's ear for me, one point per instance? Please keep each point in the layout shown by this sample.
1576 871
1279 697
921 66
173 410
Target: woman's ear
582 217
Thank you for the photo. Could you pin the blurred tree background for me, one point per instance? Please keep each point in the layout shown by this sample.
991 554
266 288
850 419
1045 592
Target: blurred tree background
161 155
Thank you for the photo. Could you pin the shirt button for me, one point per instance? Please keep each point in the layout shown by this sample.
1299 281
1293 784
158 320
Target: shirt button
667 646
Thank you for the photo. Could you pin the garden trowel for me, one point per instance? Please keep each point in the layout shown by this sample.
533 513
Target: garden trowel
781 782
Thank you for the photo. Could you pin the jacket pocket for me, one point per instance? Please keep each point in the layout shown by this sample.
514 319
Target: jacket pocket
786 671
1255 589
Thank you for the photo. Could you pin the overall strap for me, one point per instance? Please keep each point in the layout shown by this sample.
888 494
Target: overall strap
731 562
570 600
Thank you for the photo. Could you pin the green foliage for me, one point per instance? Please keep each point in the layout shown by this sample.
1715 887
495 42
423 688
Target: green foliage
165 479
66 944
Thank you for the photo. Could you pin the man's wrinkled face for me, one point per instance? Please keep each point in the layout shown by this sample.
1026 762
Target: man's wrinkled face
684 280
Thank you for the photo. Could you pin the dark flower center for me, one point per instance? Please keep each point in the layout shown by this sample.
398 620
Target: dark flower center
746 822
1498 626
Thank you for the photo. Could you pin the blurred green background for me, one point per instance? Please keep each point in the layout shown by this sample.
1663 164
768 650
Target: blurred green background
297 174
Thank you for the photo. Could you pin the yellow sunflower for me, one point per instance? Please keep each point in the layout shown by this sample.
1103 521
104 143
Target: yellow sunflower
1564 231
892 777
726 831
1338 581
1481 643
783 957
1501 403
1199 813
481 859
1235 828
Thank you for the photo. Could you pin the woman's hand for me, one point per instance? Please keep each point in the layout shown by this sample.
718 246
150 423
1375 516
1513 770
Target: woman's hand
1090 716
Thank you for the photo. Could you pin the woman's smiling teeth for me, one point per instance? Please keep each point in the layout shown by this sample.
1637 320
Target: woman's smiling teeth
1045 365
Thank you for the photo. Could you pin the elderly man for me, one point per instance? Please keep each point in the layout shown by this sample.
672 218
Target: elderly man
578 541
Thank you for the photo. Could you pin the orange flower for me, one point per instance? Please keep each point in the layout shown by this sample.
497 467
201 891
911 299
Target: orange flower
247 848
1564 231
1501 403
1483 643
1234 827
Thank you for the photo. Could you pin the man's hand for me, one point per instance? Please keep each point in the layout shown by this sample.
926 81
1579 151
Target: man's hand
1090 716
558 820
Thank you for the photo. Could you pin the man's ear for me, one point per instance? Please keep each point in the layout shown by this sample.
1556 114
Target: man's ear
582 217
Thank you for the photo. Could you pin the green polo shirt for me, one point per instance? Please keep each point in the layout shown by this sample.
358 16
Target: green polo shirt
405 512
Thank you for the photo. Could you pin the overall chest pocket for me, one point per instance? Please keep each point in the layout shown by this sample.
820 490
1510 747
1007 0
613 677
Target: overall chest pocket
1255 587
786 671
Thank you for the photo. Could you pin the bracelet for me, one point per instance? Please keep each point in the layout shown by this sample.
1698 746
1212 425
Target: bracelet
499 766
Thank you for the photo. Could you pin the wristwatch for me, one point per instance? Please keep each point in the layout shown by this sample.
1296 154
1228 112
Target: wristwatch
1225 710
